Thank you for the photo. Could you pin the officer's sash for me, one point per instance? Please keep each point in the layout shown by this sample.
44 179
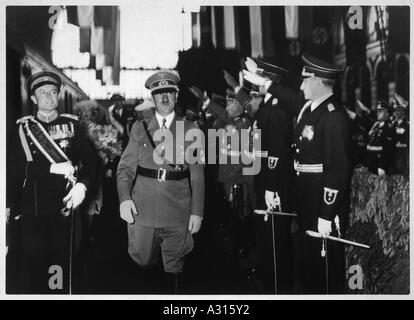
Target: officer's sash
42 140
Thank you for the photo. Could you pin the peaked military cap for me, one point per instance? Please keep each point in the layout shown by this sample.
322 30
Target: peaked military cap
270 69
164 80
42 78
315 67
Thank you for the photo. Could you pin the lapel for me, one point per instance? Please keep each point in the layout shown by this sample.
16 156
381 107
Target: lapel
153 125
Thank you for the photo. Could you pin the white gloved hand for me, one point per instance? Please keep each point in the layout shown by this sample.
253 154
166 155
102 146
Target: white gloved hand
194 224
251 65
324 227
272 199
126 209
381 172
254 78
64 168
75 196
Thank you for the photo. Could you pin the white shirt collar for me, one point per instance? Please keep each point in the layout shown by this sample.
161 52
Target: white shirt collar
267 97
318 101
169 119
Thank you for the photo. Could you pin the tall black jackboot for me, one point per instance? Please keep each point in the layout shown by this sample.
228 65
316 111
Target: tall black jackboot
173 282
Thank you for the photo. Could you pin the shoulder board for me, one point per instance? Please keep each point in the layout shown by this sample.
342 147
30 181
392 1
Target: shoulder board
331 107
24 119
71 116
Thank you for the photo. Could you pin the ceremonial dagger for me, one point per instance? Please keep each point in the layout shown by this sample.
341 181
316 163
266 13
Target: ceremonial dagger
278 213
352 243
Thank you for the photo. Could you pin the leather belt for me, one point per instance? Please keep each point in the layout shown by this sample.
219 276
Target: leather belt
375 148
401 145
308 168
161 174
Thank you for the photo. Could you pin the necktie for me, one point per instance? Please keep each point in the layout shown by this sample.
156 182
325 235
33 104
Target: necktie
164 129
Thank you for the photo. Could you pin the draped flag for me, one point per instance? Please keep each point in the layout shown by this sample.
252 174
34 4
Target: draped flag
292 22
85 40
85 16
103 16
99 34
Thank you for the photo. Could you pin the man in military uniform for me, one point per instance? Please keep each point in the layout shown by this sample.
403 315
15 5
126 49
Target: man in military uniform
162 201
323 169
57 163
401 132
238 188
273 184
361 124
379 154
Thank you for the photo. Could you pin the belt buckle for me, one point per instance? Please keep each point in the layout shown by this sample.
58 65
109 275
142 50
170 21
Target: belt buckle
161 174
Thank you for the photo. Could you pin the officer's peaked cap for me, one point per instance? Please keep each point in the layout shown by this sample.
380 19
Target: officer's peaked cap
42 78
271 69
315 67
164 80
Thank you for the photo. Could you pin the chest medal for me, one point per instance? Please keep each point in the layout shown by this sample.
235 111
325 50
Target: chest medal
308 132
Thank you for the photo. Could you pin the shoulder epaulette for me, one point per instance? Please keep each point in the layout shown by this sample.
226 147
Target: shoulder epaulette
331 107
24 119
71 116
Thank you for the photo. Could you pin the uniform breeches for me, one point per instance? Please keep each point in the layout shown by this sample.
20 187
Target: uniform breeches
144 244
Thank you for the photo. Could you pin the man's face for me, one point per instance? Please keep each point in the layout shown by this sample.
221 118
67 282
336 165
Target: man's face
382 115
308 87
119 104
399 113
46 97
254 103
165 102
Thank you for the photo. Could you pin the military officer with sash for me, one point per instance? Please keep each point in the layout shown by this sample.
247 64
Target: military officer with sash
161 198
322 150
57 163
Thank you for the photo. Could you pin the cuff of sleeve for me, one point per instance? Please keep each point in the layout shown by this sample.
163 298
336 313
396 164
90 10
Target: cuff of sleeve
123 193
201 215
327 213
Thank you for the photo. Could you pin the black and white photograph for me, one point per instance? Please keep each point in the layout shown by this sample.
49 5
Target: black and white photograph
197 149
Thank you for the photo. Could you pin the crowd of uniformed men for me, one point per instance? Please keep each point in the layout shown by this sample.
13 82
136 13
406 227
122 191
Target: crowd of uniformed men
309 146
